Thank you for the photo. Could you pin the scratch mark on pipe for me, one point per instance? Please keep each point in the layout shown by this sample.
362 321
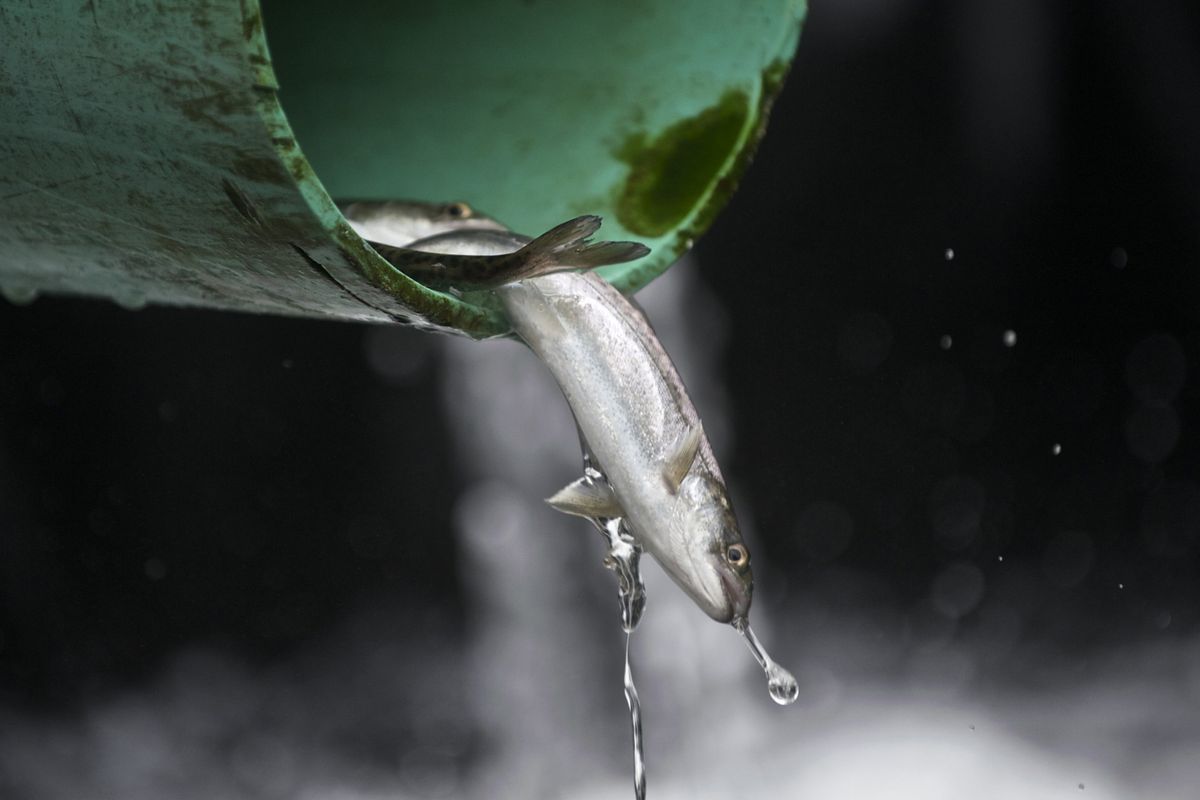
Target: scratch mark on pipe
320 269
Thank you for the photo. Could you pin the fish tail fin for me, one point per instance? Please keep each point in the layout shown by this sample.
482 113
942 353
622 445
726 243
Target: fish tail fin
567 246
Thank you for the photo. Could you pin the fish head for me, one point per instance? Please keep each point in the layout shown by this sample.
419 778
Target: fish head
399 222
708 558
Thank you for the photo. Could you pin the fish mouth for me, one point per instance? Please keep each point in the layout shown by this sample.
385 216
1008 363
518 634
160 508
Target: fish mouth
716 595
738 597
710 584
713 597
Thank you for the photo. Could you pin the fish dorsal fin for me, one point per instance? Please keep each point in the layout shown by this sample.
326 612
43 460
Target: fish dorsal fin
681 457
587 498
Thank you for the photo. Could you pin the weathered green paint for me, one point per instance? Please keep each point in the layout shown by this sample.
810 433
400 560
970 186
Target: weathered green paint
145 154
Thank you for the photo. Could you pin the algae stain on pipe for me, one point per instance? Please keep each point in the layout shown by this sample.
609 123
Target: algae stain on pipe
670 175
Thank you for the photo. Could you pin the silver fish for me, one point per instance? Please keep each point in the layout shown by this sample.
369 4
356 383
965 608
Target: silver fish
564 247
641 427
398 222
637 423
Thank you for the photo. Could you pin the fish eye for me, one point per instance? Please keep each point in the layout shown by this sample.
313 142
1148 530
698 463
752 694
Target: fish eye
737 556
458 210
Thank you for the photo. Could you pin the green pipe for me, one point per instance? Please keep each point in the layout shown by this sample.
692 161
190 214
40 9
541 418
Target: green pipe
159 153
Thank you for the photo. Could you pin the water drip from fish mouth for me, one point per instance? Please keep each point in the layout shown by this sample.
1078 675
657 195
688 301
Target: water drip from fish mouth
780 684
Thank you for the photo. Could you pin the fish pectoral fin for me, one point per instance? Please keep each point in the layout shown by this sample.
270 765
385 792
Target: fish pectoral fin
587 498
681 457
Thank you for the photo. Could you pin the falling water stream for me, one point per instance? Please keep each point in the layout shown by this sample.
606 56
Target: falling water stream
623 558
635 715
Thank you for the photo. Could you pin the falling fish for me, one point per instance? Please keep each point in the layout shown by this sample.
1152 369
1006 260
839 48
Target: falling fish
634 415
667 495
640 426
636 421
564 247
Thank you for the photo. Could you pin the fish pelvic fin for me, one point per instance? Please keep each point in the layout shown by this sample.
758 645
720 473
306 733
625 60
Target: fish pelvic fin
681 457
586 498
567 247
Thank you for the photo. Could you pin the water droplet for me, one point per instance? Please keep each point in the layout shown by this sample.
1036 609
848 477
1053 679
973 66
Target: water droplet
1056 449
19 294
1010 337
1081 787
946 342
780 684
949 254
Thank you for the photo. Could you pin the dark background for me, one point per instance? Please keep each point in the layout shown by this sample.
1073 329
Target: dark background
174 476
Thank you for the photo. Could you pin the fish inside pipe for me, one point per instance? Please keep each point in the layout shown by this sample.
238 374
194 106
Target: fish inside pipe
391 226
398 222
